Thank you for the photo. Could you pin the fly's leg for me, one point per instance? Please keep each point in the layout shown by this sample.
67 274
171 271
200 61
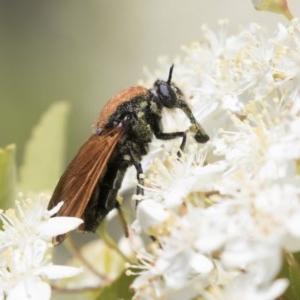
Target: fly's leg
135 159
200 134
155 123
112 202
159 134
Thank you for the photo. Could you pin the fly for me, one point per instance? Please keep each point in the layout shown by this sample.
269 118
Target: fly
123 131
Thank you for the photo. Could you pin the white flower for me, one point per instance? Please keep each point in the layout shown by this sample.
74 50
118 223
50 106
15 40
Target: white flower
150 214
226 211
24 249
177 269
244 288
171 180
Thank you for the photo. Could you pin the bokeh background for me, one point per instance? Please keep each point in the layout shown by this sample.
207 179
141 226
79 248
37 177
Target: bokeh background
85 51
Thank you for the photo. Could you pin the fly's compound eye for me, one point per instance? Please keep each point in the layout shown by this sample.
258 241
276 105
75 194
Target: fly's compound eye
166 94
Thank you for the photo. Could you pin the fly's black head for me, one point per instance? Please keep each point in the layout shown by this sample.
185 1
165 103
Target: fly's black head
166 92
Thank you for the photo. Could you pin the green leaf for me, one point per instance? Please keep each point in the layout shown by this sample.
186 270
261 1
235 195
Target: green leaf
294 276
44 153
7 175
119 289
291 271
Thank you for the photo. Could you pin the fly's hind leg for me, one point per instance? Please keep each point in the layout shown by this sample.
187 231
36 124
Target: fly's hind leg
112 201
135 159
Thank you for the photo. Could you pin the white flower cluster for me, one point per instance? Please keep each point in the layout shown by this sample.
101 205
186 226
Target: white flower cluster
25 240
223 213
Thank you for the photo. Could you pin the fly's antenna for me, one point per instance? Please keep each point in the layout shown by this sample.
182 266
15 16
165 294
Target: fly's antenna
170 75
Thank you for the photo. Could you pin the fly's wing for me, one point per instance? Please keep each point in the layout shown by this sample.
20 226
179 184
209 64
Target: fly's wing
78 182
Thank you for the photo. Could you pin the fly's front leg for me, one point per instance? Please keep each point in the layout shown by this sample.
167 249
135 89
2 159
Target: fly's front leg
171 136
155 123
200 134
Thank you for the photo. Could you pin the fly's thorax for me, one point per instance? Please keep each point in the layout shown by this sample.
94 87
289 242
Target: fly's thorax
128 113
125 96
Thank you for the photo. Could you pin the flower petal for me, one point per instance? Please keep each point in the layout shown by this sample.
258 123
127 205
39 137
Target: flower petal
56 271
32 289
59 225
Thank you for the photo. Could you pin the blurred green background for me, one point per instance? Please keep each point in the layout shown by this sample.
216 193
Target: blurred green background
85 51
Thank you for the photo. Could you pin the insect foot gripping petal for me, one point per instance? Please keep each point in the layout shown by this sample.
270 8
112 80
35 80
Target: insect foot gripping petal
200 135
